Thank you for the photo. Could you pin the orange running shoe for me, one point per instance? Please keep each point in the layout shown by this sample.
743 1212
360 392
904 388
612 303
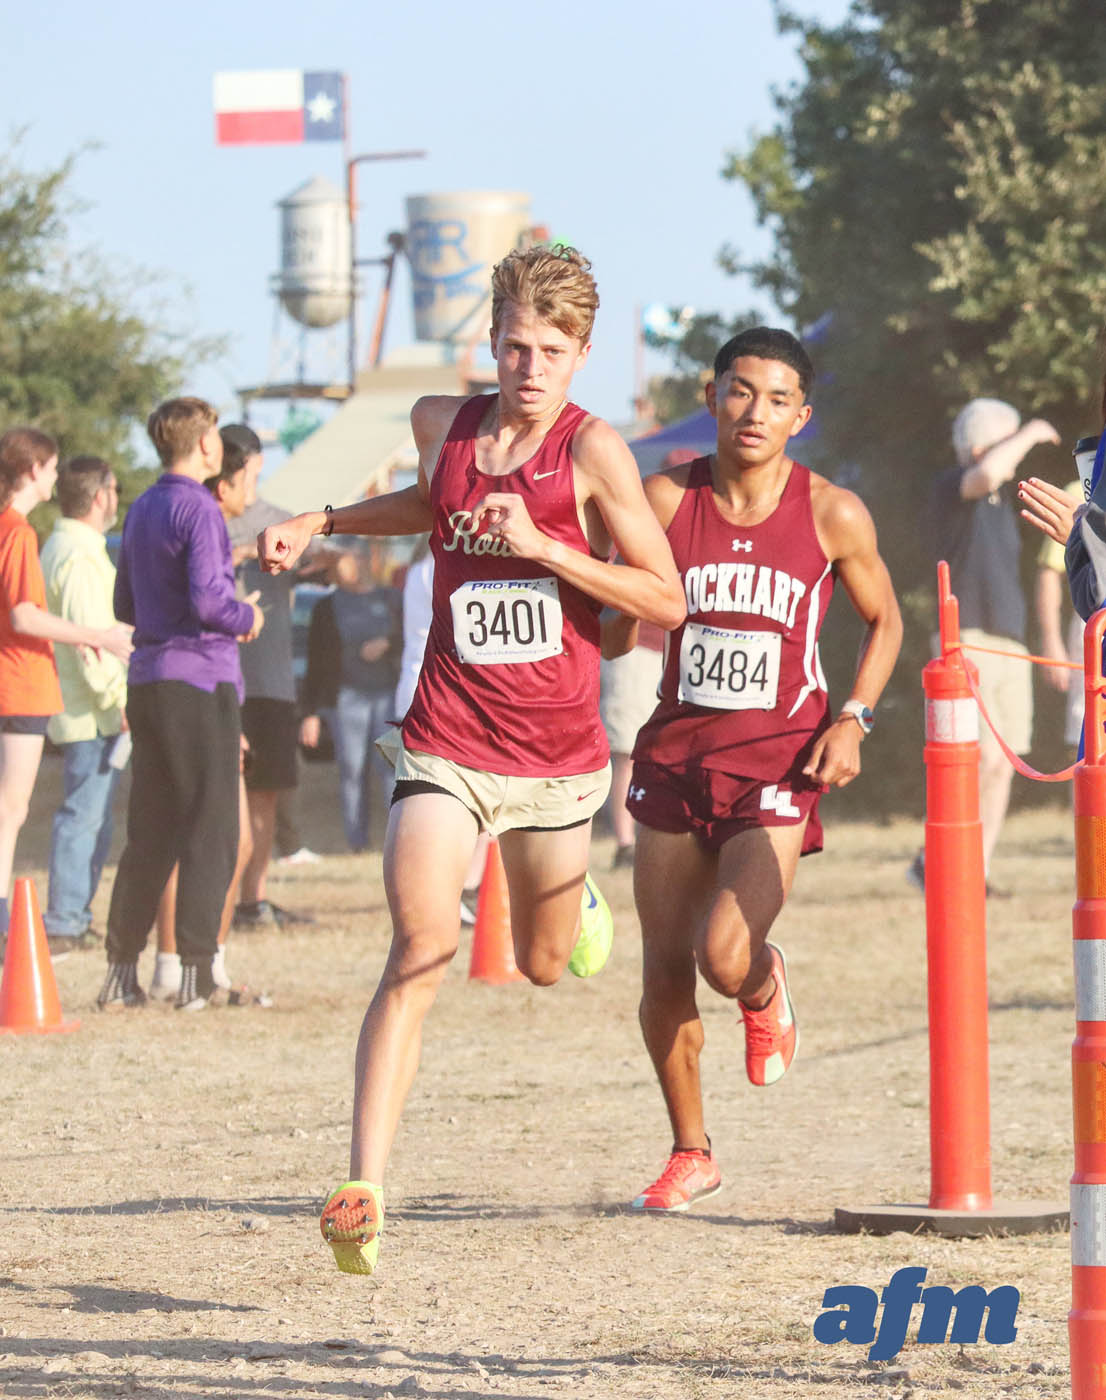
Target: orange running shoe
688 1176
771 1035
352 1220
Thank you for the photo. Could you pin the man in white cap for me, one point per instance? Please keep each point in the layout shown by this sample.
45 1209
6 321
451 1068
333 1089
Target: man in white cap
976 530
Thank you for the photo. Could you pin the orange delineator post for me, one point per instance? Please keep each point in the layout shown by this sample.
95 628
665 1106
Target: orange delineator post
1087 1319
956 937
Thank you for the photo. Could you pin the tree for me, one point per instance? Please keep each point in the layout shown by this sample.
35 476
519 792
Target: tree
933 186
76 359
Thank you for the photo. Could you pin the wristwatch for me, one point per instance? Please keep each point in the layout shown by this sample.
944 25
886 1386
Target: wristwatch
861 713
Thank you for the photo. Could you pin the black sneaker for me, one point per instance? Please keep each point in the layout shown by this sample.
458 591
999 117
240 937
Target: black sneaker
623 856
62 944
121 990
265 914
197 988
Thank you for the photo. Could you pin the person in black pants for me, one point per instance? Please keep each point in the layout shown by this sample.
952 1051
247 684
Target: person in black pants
175 583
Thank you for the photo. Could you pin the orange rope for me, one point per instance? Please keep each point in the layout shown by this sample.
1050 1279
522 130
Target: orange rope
1022 656
1020 766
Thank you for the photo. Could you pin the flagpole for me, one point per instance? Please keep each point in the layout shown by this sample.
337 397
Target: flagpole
347 139
347 167
354 262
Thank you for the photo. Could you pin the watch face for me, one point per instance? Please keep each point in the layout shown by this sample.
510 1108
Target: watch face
867 719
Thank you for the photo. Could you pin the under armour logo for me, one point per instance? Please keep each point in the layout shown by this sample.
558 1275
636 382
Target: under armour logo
635 794
778 800
746 545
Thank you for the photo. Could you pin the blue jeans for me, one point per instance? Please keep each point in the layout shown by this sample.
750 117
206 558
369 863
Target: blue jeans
82 834
357 721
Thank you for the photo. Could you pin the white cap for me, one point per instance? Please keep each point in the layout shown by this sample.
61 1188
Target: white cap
980 425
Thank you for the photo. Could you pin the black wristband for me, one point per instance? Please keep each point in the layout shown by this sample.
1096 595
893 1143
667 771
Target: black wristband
328 511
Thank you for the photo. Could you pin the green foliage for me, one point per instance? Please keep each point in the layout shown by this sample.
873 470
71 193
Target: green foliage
76 358
934 182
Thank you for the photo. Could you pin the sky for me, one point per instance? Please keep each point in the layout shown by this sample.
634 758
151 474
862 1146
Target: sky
615 119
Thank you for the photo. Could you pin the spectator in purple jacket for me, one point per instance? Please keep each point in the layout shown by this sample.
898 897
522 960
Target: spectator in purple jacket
175 583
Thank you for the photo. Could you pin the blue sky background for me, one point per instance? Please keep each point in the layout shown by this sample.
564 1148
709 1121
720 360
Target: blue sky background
615 119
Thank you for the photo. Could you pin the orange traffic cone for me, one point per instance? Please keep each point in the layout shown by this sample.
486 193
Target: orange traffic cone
493 953
28 992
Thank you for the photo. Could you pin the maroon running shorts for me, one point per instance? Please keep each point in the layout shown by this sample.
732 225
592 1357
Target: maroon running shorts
715 806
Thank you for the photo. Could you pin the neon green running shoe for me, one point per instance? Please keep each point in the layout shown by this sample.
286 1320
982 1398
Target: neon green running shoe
352 1221
593 947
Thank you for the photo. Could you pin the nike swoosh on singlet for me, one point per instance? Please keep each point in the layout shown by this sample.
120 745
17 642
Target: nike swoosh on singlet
540 476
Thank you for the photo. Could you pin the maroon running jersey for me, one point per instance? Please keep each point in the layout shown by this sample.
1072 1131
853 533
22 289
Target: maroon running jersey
743 690
510 680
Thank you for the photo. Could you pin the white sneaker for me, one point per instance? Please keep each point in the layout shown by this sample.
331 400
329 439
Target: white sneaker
303 856
219 974
166 979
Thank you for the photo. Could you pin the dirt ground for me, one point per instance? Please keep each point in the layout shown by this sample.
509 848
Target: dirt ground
160 1174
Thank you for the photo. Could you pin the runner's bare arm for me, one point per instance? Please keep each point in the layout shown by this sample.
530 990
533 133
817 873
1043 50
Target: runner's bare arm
848 537
405 512
646 584
1000 462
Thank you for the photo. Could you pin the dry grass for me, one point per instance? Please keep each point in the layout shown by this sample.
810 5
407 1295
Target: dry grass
161 1174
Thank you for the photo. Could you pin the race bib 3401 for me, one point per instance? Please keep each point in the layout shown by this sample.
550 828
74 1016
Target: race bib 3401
505 621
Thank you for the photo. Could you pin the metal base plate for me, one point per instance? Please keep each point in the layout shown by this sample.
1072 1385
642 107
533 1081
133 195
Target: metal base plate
1003 1218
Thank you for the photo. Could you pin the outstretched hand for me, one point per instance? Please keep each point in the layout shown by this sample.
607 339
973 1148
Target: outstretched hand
279 546
1047 507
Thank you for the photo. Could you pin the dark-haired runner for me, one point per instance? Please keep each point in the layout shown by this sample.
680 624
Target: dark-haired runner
729 769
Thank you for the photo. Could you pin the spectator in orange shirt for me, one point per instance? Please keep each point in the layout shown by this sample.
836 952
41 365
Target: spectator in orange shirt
29 688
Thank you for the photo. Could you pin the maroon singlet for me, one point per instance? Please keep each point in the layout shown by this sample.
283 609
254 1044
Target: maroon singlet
510 680
743 689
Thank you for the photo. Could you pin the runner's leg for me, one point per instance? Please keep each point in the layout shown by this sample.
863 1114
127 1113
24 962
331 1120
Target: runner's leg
673 879
756 869
545 876
427 850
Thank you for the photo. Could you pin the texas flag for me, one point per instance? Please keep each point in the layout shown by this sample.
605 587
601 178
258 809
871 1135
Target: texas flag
277 105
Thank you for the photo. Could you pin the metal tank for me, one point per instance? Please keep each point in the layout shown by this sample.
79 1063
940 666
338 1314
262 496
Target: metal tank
314 279
452 243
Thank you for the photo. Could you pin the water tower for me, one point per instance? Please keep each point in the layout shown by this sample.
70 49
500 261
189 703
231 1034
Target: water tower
452 243
313 283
